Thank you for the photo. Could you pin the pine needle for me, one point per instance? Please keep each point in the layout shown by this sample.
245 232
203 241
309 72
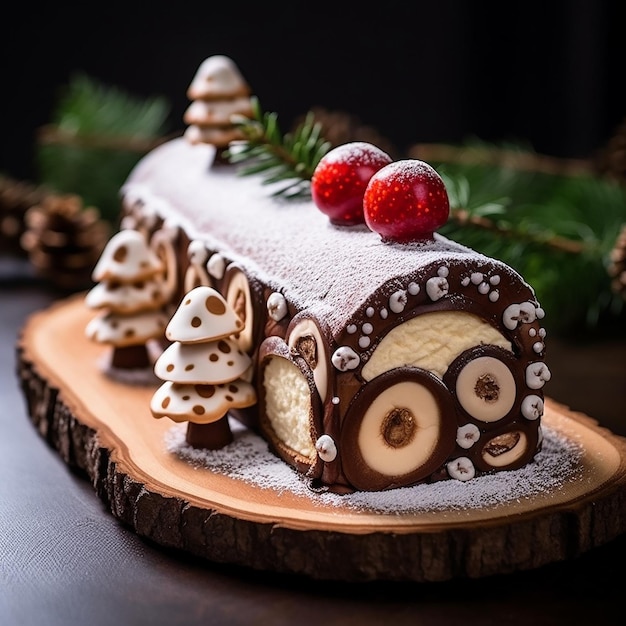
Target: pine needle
97 135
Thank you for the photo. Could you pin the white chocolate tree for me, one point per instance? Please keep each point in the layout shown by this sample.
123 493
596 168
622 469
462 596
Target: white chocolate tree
131 296
203 369
218 92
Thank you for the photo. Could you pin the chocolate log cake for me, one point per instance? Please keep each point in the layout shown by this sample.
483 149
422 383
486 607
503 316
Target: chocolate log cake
376 364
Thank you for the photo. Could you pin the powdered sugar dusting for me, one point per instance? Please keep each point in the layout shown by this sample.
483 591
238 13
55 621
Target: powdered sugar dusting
288 245
357 152
248 459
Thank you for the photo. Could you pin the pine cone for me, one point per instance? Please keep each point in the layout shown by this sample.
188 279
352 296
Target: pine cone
338 127
611 160
64 240
16 197
617 267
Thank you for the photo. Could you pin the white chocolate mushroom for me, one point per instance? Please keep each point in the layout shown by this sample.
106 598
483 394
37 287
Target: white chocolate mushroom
277 306
532 407
516 314
126 257
398 301
326 448
467 435
462 469
437 287
345 358
202 315
537 375
215 361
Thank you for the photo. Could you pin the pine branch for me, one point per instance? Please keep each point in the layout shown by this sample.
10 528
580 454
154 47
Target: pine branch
463 217
557 231
289 158
96 136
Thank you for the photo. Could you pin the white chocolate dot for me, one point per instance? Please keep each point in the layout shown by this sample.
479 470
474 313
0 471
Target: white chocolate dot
476 278
483 288
369 311
538 346
516 314
437 288
413 289
495 279
532 332
443 271
345 358
465 282
197 253
335 400
467 435
326 448
364 342
494 295
351 329
397 301
461 469
542 332
532 407
216 266
367 328
277 306
383 314
537 375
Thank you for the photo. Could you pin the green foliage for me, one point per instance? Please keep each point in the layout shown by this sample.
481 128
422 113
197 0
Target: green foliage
557 231
97 135
290 158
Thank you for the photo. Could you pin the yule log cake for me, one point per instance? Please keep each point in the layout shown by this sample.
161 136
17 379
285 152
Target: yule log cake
367 359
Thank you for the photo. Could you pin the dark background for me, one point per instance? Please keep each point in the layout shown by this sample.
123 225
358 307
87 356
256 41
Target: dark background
550 74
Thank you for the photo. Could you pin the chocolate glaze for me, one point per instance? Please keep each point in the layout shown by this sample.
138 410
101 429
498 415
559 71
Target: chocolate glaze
455 280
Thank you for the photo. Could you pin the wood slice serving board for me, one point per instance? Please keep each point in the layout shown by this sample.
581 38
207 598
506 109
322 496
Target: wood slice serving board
256 511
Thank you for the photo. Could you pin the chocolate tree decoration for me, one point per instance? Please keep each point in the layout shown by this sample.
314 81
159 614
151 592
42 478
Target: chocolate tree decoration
218 92
131 296
204 369
64 240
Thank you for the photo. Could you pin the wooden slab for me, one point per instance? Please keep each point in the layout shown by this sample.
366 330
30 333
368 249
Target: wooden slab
105 428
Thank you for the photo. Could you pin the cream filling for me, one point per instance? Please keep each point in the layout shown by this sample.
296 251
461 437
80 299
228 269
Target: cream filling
288 405
432 341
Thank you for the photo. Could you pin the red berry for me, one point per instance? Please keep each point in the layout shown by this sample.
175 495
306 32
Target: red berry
340 179
406 201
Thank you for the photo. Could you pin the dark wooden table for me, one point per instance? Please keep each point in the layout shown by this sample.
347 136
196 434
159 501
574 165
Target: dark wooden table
65 560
